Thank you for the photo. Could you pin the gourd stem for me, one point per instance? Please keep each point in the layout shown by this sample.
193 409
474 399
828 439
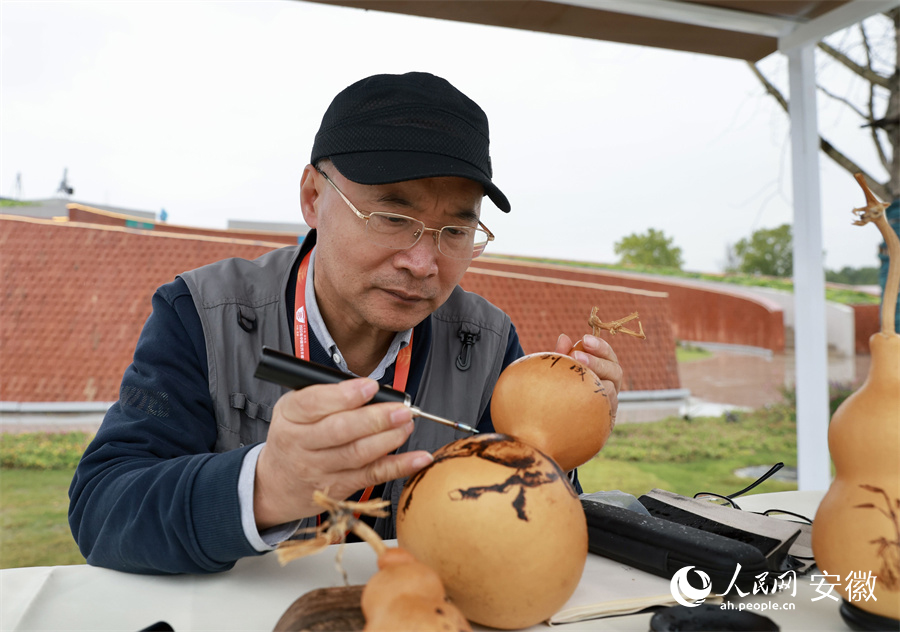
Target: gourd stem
874 212
367 534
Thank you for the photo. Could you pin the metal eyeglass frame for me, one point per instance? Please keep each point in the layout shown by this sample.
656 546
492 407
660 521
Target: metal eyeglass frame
476 252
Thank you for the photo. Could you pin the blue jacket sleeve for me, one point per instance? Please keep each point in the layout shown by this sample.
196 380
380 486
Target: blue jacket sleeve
150 495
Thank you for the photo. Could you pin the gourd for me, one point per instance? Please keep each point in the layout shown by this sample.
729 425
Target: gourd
404 595
407 595
501 525
856 531
557 404
554 403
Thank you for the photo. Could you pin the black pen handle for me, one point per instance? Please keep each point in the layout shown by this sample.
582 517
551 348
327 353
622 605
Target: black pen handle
296 373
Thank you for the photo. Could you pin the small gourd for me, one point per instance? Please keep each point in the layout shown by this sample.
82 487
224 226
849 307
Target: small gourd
404 595
407 595
856 531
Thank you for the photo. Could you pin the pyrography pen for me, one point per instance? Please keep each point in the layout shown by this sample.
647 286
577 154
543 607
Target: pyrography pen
296 373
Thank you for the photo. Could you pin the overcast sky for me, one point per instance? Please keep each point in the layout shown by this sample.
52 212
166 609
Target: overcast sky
208 110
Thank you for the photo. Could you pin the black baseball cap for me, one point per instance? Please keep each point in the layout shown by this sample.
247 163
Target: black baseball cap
391 128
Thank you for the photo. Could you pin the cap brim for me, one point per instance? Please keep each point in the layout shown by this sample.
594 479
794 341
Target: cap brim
386 167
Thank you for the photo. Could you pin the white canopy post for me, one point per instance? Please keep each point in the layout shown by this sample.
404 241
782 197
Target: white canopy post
810 339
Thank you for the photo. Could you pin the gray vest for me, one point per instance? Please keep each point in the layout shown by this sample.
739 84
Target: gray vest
242 308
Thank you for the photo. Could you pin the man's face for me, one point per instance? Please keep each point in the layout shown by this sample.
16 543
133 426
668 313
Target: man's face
359 283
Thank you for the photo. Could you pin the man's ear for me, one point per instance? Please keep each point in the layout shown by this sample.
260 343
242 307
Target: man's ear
309 195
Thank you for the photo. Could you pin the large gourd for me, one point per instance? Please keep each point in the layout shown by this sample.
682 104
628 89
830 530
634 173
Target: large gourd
856 532
501 525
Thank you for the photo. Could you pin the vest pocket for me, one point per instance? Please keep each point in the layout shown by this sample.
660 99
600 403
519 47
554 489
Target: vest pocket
254 422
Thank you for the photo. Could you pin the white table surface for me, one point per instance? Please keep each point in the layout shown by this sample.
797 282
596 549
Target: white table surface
257 591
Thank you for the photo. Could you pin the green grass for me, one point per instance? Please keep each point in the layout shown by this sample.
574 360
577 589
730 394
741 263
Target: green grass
697 455
43 450
688 353
678 455
35 472
33 526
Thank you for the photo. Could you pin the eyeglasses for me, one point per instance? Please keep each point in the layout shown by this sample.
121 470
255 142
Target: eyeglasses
400 232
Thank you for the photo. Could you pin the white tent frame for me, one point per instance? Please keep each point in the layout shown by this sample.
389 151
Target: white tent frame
797 41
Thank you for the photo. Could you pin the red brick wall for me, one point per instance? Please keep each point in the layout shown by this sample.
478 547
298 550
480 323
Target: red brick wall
541 308
74 301
75 298
698 314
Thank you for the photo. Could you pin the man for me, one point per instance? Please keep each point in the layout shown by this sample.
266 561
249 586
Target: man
199 463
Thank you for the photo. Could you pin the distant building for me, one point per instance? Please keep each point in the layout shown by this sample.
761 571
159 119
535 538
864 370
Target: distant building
93 215
300 229
58 207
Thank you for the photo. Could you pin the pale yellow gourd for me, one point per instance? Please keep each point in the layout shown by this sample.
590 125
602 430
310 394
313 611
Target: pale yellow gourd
404 595
856 531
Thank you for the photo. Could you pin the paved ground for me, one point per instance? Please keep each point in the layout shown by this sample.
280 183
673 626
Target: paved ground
53 422
724 381
743 380
755 380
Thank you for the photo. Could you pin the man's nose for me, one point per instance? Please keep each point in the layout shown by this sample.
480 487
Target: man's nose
421 259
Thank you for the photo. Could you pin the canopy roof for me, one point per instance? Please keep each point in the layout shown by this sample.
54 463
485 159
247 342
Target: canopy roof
741 29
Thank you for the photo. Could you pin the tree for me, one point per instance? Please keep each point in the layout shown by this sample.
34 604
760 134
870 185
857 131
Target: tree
853 276
767 251
652 248
869 51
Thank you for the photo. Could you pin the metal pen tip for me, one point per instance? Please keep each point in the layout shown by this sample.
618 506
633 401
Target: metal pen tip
417 412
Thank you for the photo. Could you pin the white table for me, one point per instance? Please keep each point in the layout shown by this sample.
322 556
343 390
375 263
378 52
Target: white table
255 594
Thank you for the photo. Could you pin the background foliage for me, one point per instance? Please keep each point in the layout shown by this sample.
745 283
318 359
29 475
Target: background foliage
652 248
42 450
767 251
853 276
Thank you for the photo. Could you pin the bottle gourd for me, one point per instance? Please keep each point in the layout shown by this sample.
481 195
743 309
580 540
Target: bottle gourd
856 531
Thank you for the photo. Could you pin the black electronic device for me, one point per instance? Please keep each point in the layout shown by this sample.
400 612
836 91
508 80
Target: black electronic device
756 552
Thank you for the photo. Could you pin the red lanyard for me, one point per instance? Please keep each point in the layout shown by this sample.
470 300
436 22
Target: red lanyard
301 343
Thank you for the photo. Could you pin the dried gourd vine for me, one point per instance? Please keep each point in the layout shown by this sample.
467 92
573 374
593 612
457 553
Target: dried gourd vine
343 517
404 594
616 326
873 212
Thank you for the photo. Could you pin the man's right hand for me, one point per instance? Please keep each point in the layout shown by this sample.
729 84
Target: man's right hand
324 437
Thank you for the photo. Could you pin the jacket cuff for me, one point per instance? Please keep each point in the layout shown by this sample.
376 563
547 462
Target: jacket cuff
216 510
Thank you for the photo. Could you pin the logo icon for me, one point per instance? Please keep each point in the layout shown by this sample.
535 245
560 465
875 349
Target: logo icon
301 315
684 592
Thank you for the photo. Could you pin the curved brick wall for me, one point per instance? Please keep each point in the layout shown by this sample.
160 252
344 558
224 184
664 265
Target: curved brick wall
543 307
75 298
698 314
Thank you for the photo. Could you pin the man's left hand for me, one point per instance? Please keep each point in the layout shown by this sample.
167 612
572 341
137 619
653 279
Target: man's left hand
600 358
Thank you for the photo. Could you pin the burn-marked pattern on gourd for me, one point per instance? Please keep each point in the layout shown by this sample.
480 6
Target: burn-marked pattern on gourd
579 369
502 450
